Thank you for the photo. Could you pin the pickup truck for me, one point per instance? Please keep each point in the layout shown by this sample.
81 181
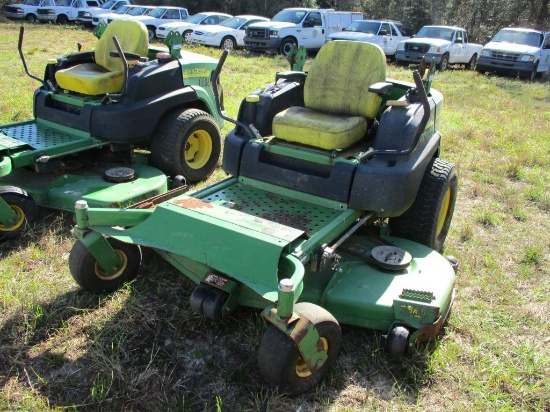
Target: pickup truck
386 34
297 27
444 44
86 17
517 51
25 10
65 11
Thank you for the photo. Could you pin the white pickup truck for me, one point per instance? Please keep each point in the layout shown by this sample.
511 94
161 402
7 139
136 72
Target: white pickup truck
297 27
25 10
65 11
444 45
386 34
517 51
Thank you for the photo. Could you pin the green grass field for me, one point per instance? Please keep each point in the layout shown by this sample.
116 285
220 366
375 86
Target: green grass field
142 348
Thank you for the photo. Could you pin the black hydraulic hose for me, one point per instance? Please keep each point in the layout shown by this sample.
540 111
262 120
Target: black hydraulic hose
214 80
20 48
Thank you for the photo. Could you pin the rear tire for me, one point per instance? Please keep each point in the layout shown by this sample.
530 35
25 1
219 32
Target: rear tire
187 143
472 63
91 277
428 220
279 359
62 19
22 205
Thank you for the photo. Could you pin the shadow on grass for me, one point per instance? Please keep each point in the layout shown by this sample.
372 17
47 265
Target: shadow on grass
142 348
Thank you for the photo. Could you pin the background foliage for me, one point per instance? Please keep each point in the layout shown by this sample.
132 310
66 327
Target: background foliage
481 18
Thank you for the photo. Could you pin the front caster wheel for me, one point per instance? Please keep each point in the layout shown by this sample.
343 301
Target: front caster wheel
23 206
397 343
209 301
91 277
280 361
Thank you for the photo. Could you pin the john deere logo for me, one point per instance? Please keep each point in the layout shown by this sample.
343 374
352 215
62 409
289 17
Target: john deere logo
196 73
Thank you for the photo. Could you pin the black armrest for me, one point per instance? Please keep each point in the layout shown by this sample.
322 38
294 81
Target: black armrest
293 76
381 88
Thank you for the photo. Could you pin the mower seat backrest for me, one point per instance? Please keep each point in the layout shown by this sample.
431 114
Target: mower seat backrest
337 103
107 73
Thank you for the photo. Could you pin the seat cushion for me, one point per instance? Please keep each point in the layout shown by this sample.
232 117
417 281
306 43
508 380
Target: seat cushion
339 78
326 131
90 79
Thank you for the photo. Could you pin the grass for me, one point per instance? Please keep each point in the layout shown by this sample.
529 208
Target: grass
142 348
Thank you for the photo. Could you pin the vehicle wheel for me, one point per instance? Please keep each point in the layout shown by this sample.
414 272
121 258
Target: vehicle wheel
400 63
428 220
151 32
533 75
91 277
228 43
187 36
472 63
286 46
444 63
30 18
62 19
213 303
187 143
397 342
279 359
22 205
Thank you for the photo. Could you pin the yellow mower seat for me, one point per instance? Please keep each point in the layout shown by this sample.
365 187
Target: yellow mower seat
107 73
337 102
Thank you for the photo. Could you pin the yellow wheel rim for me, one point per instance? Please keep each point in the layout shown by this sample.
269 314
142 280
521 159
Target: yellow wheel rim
444 211
302 369
100 272
198 149
20 219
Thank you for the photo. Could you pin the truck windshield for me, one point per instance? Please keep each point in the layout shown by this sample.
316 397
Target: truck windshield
519 37
108 4
290 16
364 26
436 33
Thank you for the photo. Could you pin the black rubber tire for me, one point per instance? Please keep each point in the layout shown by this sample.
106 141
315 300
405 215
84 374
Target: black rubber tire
88 274
286 45
472 63
187 36
186 143
279 360
428 220
197 297
62 19
213 303
30 18
397 343
151 32
22 204
533 75
228 43
444 63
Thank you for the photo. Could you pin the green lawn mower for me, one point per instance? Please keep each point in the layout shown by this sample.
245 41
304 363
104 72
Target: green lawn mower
92 113
336 211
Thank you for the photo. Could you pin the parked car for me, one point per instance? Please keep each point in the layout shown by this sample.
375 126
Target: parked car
65 11
161 15
125 9
229 34
187 27
25 10
86 17
136 11
520 51
386 34
444 45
